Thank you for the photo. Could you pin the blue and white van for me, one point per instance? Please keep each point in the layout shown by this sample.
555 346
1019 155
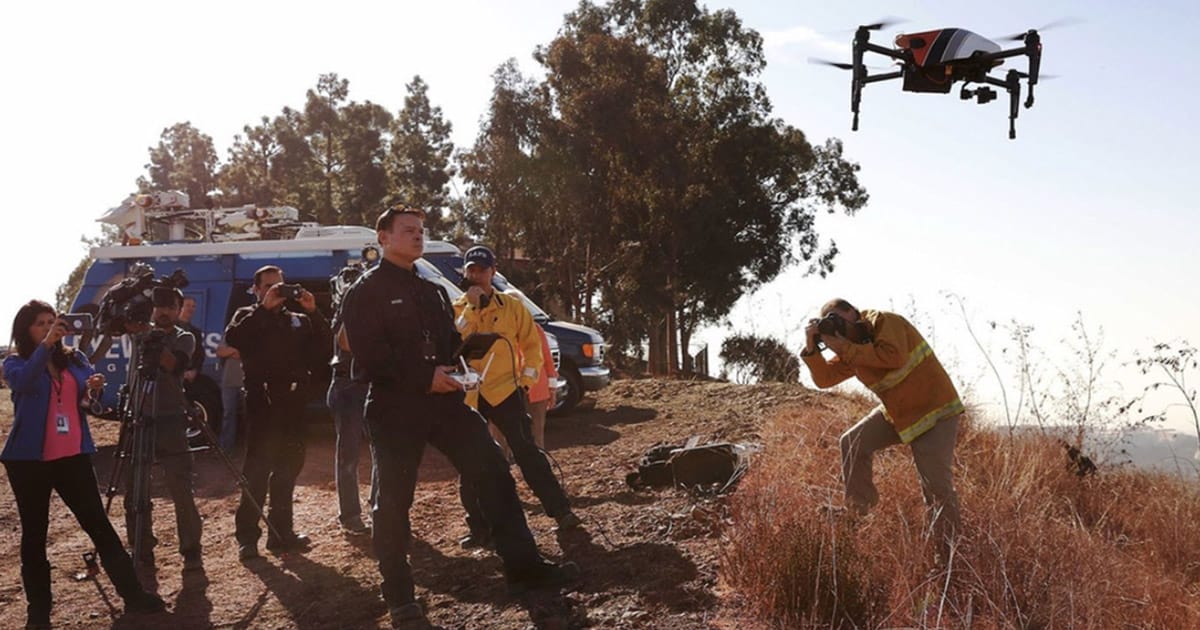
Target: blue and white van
219 251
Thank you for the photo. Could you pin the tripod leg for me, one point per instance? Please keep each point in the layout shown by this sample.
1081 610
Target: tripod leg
237 475
124 442
139 494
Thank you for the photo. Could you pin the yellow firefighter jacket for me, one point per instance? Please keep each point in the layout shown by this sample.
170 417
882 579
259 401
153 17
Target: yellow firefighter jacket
515 359
900 367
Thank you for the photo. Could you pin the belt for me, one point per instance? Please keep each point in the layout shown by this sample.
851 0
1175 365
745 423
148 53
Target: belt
283 385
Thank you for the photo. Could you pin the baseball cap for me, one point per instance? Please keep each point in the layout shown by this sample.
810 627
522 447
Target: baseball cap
479 255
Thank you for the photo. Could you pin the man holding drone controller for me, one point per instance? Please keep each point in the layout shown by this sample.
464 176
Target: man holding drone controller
510 368
400 328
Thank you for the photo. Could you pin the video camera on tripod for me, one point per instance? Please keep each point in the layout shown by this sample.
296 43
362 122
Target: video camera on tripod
132 301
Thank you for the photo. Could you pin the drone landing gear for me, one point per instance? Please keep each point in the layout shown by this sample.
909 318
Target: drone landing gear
1012 83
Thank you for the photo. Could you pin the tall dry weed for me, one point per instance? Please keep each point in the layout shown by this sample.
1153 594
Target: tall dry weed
1041 547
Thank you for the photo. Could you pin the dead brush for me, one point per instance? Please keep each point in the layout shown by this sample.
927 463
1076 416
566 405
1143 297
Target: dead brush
1041 547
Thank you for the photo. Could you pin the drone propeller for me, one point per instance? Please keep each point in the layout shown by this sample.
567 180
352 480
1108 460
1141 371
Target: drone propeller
843 65
886 22
882 23
1041 76
1020 37
835 64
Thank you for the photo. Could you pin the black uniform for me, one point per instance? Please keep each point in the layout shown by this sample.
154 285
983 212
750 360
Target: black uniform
400 327
283 353
196 360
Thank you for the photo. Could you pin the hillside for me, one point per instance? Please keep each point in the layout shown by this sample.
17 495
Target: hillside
1042 548
650 557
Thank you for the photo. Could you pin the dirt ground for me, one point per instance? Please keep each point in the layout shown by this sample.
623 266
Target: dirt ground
650 557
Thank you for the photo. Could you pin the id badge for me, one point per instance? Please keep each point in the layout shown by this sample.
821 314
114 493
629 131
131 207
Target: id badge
61 423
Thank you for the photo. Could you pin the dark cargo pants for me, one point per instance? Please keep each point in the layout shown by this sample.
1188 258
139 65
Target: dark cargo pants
514 422
400 427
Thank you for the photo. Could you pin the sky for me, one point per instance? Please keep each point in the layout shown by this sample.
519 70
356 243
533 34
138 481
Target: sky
1090 210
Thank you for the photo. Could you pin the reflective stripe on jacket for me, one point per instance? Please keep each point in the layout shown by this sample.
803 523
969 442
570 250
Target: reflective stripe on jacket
901 368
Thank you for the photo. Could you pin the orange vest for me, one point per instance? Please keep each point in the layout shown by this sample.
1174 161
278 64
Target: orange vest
900 367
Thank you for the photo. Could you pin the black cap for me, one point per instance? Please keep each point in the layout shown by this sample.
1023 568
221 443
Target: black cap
479 255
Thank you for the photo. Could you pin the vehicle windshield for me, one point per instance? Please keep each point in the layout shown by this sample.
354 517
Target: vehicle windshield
428 271
538 314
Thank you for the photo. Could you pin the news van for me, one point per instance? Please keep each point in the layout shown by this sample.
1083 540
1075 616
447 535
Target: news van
218 251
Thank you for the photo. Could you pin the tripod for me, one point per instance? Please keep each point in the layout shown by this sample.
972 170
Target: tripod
135 443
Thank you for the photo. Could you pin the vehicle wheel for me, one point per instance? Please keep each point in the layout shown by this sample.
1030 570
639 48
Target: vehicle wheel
574 391
205 398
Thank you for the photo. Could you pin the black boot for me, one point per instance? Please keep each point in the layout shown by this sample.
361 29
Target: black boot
36 580
543 575
144 602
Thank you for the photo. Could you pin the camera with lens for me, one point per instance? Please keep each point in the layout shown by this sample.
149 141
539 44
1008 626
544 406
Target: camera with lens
290 291
834 325
132 300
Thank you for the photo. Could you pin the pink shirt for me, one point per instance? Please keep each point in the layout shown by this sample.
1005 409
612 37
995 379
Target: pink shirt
65 438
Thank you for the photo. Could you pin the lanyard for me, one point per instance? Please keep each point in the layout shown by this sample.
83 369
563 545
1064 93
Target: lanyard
56 385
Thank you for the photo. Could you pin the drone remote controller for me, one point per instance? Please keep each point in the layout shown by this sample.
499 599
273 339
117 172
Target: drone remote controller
469 379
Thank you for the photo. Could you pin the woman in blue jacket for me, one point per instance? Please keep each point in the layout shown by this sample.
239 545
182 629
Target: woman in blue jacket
50 448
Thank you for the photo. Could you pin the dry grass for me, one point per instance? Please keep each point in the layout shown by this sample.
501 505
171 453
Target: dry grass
1041 548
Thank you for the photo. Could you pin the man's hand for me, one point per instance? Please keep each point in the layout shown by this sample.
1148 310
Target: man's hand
838 343
271 300
443 383
167 360
307 301
810 336
474 293
190 375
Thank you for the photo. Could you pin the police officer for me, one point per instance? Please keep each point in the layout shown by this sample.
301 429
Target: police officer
401 330
512 365
283 352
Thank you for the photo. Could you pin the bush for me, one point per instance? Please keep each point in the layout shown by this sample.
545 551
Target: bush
1040 548
759 359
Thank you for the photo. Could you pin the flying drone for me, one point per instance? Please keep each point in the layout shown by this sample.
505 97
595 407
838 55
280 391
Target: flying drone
932 61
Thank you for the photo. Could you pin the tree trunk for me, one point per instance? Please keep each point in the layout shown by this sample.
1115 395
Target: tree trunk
685 343
672 358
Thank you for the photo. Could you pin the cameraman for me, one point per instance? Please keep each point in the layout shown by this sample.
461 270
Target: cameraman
281 351
920 407
167 350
